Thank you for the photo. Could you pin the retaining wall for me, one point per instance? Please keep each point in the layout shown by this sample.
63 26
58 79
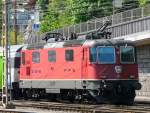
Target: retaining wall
143 57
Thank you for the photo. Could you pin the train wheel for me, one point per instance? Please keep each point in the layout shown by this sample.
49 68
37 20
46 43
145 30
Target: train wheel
27 94
35 95
71 96
127 99
42 94
51 97
24 94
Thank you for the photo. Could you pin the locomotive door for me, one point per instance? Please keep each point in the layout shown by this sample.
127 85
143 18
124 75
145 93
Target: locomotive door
28 60
73 63
84 65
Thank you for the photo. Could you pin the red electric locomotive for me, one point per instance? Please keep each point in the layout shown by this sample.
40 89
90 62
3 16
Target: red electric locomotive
89 68
99 70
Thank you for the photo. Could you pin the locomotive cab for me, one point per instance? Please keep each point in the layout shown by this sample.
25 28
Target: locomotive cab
114 65
116 57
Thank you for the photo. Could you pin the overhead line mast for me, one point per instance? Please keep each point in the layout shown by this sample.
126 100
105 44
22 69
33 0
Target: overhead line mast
6 51
15 22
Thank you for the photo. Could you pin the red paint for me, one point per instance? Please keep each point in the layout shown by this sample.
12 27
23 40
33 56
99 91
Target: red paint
80 68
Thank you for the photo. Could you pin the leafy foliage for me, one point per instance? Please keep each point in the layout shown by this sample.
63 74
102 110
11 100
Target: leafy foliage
143 2
58 15
127 5
43 4
89 9
20 38
65 12
61 13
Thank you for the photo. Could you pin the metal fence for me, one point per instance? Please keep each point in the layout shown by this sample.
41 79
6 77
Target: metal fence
130 27
128 22
117 19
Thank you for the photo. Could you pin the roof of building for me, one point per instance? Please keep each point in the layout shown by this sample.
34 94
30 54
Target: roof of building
32 2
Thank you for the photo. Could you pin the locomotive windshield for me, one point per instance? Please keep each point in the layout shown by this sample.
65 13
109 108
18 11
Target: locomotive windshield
127 54
106 55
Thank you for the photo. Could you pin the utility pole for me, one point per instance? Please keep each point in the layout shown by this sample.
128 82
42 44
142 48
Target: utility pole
6 50
15 22
5 55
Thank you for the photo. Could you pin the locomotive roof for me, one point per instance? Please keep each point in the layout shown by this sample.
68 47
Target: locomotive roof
13 50
77 43
107 42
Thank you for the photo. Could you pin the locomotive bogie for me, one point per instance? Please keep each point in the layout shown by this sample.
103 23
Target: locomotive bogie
100 91
89 85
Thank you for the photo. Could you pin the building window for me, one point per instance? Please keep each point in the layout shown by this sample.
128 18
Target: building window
23 58
35 57
52 56
69 55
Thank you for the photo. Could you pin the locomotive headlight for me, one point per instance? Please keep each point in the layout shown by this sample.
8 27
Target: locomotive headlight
118 69
131 76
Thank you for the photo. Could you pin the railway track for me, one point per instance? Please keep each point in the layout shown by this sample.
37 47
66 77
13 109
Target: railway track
11 111
84 108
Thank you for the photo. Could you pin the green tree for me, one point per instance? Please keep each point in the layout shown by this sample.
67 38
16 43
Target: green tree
20 38
61 13
58 15
43 4
127 5
88 9
143 2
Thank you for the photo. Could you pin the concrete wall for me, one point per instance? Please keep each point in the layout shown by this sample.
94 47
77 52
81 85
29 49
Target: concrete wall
143 57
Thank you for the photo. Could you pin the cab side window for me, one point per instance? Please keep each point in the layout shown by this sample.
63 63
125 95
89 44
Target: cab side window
35 57
52 56
69 55
93 55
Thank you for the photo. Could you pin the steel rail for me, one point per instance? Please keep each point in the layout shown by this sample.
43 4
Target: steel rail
84 108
